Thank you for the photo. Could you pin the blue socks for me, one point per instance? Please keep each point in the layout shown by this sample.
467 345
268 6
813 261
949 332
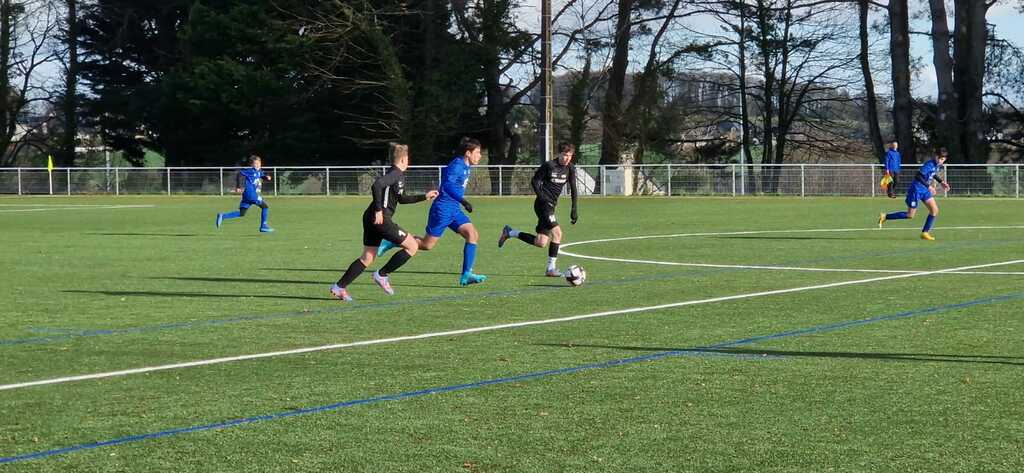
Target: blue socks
468 257
896 216
264 215
234 214
928 223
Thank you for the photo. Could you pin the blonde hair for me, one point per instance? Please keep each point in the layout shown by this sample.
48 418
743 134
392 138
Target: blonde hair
398 152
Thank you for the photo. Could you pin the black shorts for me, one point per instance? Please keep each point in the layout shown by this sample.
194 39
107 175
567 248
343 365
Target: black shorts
546 219
389 230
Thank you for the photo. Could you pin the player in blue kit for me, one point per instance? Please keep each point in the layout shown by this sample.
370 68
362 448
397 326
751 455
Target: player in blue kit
921 190
892 168
446 211
248 182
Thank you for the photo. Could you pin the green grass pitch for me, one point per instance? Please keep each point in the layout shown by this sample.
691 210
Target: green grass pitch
903 372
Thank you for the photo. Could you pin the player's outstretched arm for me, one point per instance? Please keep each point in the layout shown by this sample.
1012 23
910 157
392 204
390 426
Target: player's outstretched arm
412 199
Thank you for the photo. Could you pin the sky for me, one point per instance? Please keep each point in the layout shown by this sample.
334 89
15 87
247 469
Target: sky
1005 16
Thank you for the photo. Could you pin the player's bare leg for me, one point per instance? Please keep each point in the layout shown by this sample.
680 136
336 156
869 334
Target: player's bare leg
469 233
409 248
340 289
933 211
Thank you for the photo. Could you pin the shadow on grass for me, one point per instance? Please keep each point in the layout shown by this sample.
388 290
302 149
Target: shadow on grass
341 269
920 357
194 294
146 234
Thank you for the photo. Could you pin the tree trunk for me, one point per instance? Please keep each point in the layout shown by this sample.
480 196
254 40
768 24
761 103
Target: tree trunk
612 135
70 105
869 84
7 113
578 108
899 50
969 77
947 113
744 110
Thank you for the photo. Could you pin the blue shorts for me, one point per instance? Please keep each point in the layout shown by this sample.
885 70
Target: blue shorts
916 192
246 203
442 217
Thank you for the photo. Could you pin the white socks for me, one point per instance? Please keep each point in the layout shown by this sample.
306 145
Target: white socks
551 263
513 233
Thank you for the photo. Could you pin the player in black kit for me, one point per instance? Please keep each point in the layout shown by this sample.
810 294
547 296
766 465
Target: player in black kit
388 192
548 182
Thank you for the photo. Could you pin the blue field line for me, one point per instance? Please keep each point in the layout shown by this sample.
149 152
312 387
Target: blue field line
61 335
698 351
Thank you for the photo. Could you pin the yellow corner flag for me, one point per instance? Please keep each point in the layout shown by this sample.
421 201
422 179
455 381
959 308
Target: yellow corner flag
49 163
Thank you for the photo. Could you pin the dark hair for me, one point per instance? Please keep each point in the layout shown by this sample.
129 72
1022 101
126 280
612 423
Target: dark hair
942 151
467 144
564 147
252 159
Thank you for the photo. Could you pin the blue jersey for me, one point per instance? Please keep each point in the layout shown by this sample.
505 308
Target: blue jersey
454 180
892 161
250 180
927 173
446 211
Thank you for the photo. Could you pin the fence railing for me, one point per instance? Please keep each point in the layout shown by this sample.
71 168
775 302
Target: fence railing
659 179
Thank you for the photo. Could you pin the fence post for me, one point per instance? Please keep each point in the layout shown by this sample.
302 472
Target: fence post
501 181
733 180
872 180
275 182
168 181
327 187
439 177
1017 186
803 180
19 179
117 181
50 174
604 185
222 182
670 179
69 181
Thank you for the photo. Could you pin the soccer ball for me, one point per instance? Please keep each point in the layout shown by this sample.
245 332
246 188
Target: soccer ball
576 275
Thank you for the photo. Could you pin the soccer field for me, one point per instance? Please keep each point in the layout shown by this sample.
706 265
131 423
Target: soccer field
726 335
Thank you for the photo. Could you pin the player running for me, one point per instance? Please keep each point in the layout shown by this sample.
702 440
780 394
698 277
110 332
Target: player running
548 182
388 192
249 182
921 189
446 211
892 168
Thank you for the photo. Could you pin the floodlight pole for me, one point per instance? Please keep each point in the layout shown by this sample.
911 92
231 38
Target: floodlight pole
547 112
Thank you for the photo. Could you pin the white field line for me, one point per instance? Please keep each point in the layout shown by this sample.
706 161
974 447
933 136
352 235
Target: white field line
80 207
768 267
256 356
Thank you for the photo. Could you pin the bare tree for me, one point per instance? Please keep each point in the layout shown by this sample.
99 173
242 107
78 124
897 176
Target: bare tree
869 83
28 31
899 52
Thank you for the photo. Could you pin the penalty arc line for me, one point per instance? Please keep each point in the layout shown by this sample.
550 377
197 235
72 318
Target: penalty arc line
337 346
769 267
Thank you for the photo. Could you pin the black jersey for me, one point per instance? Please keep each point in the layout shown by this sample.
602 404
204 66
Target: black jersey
389 191
550 179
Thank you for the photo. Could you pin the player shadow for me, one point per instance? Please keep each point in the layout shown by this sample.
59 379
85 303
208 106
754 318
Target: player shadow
243 280
145 234
917 357
403 271
193 294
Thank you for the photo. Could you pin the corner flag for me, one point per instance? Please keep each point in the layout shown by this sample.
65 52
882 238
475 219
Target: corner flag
49 163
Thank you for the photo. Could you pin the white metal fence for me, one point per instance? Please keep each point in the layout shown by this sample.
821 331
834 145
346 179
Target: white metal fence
663 179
